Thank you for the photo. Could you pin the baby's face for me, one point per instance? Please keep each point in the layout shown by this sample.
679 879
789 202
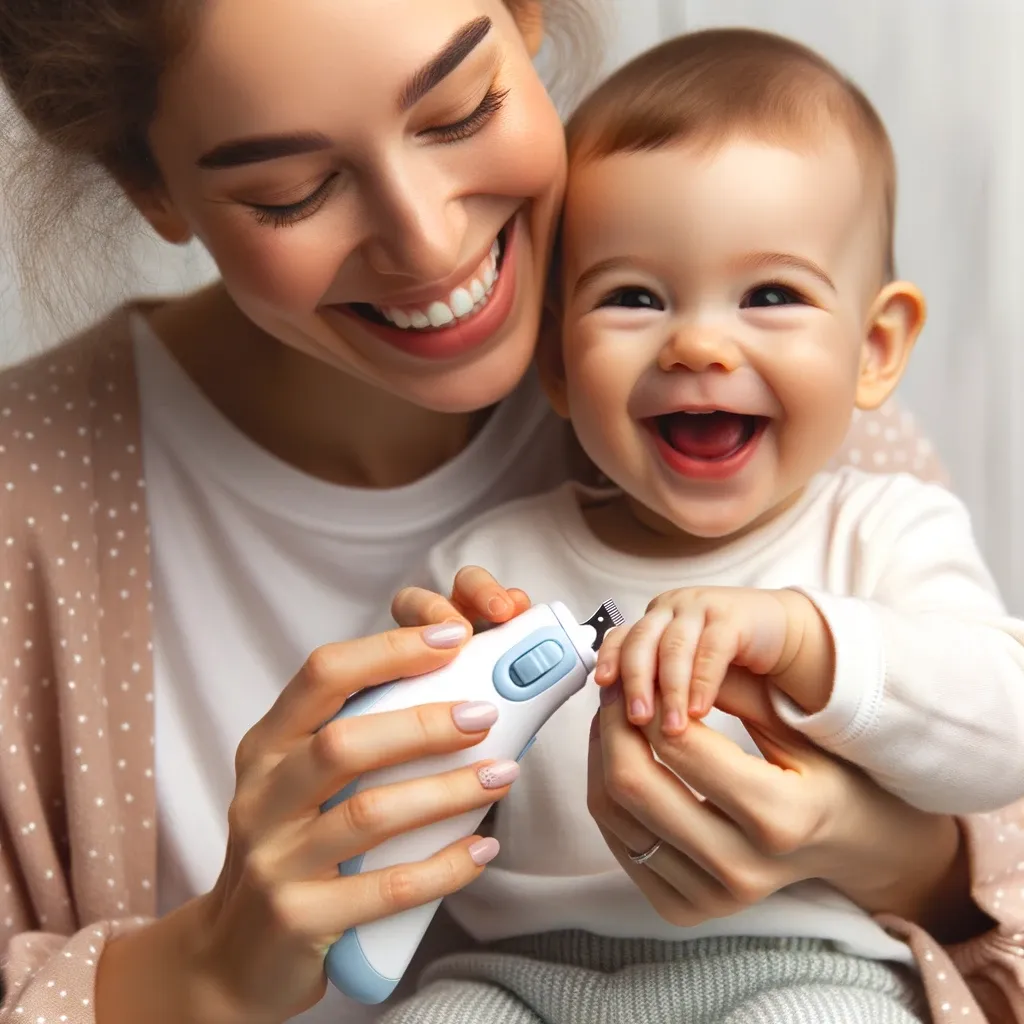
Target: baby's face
716 305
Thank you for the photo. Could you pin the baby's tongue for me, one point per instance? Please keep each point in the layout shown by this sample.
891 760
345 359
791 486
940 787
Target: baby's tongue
712 435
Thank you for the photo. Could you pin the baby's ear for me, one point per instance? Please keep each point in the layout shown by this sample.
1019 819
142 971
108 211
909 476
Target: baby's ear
550 361
894 323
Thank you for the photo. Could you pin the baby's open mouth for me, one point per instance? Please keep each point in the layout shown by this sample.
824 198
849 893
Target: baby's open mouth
463 302
708 436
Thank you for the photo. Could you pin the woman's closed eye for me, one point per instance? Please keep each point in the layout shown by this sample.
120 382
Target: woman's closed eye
765 296
280 216
469 125
631 297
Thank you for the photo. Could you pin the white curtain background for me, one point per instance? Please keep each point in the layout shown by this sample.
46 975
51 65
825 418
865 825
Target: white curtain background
946 76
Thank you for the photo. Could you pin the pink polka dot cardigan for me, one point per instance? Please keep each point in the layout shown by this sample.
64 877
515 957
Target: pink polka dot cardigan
77 801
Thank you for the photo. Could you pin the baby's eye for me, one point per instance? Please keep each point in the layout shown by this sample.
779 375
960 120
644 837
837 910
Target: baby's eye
632 298
770 295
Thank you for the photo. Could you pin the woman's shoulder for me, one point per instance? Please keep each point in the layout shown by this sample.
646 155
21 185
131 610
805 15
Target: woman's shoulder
57 406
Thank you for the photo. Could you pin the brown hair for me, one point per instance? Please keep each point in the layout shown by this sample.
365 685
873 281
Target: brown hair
706 87
84 78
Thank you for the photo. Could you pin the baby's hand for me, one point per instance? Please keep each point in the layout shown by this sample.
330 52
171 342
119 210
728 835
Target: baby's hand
688 639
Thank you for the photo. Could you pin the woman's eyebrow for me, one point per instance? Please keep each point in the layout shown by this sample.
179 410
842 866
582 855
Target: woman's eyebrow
258 149
444 62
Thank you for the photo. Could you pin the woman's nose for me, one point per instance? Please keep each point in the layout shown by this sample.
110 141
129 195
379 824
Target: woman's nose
699 347
418 231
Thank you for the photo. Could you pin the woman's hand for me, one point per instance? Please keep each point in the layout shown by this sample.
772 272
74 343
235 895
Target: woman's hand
765 824
253 948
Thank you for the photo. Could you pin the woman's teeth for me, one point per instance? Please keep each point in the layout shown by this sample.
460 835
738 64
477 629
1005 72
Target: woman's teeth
464 301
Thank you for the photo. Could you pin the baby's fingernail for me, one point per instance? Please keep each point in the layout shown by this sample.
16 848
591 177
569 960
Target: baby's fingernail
673 721
610 694
483 851
474 716
603 672
498 775
497 605
637 708
445 634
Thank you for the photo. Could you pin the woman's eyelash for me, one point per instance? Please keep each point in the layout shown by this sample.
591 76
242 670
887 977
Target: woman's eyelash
292 213
281 216
470 125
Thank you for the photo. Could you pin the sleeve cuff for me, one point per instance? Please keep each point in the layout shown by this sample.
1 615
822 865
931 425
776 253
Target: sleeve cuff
859 677
53 978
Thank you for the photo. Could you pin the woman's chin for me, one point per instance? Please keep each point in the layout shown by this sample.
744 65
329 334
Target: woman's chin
473 386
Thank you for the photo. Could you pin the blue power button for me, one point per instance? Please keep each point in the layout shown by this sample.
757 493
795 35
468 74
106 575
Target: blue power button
537 662
529 667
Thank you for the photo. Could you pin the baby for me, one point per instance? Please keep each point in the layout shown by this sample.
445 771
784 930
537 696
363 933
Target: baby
726 295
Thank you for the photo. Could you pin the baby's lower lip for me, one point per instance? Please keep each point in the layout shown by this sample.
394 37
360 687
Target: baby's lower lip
696 464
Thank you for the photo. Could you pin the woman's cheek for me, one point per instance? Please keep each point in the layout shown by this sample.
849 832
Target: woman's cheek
285 268
526 155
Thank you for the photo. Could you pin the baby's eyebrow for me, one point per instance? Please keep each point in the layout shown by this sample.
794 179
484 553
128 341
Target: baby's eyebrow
764 260
599 268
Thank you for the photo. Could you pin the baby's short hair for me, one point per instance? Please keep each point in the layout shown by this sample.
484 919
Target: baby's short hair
706 87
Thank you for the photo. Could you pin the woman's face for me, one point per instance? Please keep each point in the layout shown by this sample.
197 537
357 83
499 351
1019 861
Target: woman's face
377 181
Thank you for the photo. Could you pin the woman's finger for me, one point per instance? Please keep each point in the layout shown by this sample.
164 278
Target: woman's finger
656 797
371 816
331 674
610 817
417 606
320 765
678 889
669 903
772 806
319 908
479 596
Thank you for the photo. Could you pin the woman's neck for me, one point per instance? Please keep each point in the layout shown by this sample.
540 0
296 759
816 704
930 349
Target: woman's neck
318 419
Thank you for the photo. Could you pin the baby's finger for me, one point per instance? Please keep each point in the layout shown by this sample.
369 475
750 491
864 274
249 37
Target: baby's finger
676 653
716 650
607 668
638 662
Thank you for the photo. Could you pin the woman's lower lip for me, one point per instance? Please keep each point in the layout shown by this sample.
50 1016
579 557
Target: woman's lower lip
461 337
706 469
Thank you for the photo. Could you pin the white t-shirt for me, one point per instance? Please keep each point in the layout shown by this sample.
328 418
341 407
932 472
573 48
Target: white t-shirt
255 564
928 696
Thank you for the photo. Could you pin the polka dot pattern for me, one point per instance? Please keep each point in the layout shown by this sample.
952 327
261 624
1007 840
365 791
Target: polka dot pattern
77 797
77 841
890 441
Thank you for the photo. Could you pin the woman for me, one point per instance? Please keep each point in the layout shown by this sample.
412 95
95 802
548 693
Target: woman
377 182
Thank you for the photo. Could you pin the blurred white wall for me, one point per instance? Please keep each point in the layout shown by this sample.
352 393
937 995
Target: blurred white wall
947 78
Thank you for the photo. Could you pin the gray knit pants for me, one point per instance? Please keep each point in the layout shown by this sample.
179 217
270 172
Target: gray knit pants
577 978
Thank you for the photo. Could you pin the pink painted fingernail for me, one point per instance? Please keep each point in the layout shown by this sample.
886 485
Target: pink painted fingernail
610 694
483 851
445 634
474 716
499 774
637 708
